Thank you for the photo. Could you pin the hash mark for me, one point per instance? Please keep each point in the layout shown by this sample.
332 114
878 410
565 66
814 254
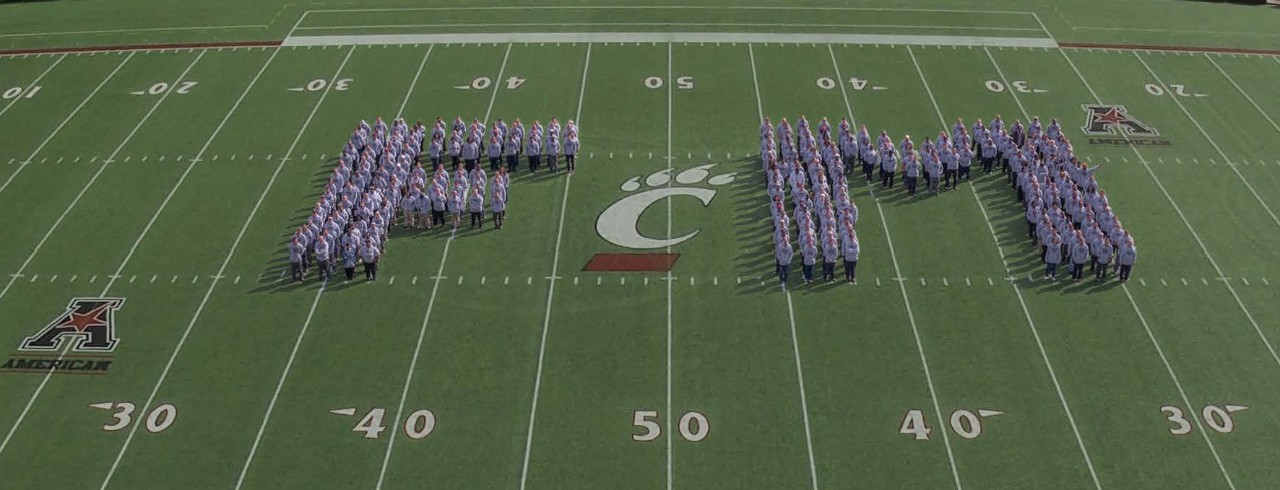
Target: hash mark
1266 282
966 282
482 279
54 278
506 280
944 282
414 282
1163 283
1206 281
1245 281
134 278
1184 282
459 280
194 279
575 280
93 279
393 281
690 280
529 281
622 281
1143 281
73 277
153 278
646 280
715 280
922 282
877 281
237 281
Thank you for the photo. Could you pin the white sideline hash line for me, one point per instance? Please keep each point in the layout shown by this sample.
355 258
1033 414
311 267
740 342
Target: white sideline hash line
551 289
791 316
64 122
244 470
799 25
1062 397
667 37
1195 415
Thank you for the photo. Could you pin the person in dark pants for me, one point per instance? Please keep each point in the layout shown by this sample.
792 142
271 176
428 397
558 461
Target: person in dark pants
570 150
534 151
455 149
1102 258
830 252
349 261
513 152
910 171
1052 256
495 153
476 206
370 255
850 250
783 253
436 150
1079 252
296 251
471 154
1125 258
888 166
808 255
553 151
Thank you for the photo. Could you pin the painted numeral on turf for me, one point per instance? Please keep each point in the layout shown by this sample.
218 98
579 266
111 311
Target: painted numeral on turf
965 423
341 85
418 425
1218 418
1019 86
158 420
15 92
162 87
693 426
827 83
682 82
1178 89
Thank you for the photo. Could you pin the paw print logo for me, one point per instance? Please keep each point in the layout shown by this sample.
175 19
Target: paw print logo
619 223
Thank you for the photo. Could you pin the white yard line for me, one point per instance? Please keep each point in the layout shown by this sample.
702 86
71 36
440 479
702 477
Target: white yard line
497 83
116 275
221 270
27 89
148 29
64 122
551 289
670 326
40 388
1195 415
791 316
414 83
426 318
1035 332
1225 158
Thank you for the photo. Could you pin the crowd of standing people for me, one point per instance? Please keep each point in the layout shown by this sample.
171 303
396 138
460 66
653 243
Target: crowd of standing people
380 181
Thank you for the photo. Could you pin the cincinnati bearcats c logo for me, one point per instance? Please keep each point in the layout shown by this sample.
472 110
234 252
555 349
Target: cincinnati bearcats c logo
619 223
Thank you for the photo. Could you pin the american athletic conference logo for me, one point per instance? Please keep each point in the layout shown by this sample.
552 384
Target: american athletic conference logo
80 340
619 223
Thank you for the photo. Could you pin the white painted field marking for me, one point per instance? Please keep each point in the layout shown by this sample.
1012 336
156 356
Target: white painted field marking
667 37
551 288
1213 143
718 25
343 411
1142 318
501 69
27 89
213 284
1242 92
62 124
1035 332
791 317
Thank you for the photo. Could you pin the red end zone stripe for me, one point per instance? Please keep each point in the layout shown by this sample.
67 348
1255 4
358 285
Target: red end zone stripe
126 47
1158 47
632 262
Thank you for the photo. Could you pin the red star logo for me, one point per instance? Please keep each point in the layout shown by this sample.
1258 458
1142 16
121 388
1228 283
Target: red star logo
1113 116
82 321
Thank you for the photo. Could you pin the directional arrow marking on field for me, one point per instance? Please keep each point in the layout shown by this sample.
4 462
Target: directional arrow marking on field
982 412
1236 408
343 411
103 405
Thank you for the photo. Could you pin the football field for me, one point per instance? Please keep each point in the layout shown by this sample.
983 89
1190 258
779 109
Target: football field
152 193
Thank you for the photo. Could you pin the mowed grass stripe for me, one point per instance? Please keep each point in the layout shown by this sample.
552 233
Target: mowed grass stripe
866 330
169 312
618 331
1202 364
736 363
306 394
1106 326
493 323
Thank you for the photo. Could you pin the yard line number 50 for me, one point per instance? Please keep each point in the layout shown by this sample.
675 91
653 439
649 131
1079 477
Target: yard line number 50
693 426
